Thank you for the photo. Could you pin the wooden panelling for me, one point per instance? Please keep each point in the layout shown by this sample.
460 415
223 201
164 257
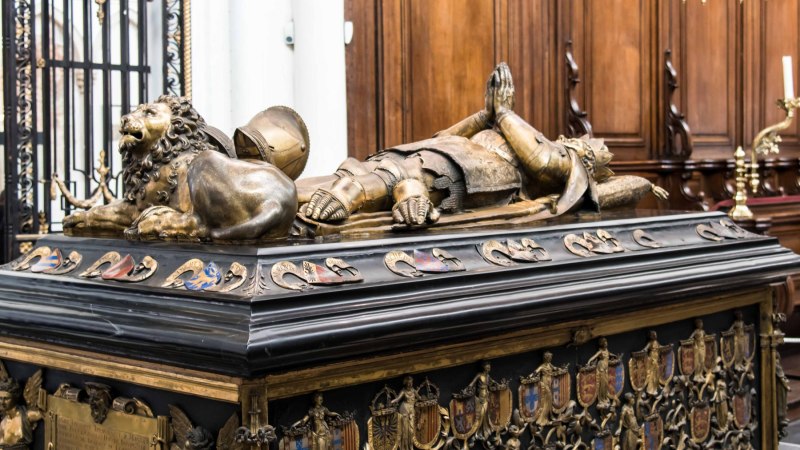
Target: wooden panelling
417 66
706 64
362 84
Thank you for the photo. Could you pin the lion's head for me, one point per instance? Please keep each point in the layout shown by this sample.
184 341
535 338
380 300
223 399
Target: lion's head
154 134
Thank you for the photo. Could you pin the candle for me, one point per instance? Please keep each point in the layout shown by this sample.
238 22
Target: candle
788 81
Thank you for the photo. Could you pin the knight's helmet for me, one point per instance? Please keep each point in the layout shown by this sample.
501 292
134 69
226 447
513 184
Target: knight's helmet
278 136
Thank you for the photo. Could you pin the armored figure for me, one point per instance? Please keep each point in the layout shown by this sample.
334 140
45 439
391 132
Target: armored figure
317 417
488 160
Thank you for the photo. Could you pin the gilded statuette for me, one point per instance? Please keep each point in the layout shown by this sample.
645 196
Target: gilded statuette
322 429
697 356
545 393
482 408
601 379
652 367
21 408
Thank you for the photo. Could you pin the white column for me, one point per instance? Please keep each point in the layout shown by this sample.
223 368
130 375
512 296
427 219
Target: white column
320 91
211 63
260 61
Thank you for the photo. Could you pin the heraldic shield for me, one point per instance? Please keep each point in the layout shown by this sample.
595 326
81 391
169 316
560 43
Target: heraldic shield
603 441
687 359
587 385
637 366
295 440
738 344
652 433
616 377
562 391
428 413
700 419
742 409
383 427
464 416
529 399
666 364
500 406
345 435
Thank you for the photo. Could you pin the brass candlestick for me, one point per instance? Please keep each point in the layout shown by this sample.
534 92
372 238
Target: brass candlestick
765 142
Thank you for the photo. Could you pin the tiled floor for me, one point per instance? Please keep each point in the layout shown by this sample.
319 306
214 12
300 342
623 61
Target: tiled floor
792 440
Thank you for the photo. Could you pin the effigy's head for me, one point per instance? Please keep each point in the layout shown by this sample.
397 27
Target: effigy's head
10 394
594 155
155 133
278 136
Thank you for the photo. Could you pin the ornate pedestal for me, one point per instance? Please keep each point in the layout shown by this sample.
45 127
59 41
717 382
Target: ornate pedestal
596 331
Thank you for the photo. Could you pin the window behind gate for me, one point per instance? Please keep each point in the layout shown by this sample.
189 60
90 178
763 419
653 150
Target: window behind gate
71 69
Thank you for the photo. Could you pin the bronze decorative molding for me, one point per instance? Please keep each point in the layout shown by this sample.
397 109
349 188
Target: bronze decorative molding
720 230
110 258
47 261
338 272
645 239
206 277
524 250
438 261
601 242
127 270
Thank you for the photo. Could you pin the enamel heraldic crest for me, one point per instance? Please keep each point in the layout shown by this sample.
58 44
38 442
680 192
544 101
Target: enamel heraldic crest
652 367
544 393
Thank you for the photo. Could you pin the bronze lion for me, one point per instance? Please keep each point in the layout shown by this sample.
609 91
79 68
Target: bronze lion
177 185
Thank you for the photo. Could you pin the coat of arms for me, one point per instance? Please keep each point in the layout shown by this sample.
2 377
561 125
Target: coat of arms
545 392
321 429
601 379
697 355
484 407
652 432
742 409
410 418
700 420
738 344
652 367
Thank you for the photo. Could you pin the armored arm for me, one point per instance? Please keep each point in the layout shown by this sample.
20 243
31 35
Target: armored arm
468 127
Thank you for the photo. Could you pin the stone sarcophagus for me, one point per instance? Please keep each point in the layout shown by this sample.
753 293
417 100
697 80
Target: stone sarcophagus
623 330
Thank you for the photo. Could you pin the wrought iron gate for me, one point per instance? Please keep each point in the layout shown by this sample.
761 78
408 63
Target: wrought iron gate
71 68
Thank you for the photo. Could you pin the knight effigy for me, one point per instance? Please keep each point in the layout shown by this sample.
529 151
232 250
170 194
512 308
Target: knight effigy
491 167
487 288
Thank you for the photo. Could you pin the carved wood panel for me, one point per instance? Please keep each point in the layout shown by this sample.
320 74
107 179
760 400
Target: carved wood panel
612 43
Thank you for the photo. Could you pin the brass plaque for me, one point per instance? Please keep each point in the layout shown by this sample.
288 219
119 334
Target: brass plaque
69 426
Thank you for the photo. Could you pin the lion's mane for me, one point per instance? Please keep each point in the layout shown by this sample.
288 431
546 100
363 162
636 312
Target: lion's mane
184 134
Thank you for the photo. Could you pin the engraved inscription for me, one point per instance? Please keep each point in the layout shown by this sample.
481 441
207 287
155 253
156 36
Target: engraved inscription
75 435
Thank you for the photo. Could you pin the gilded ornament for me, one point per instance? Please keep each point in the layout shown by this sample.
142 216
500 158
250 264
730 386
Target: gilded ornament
190 437
127 270
629 430
738 345
383 426
652 367
601 379
645 239
700 422
545 393
697 356
524 250
24 262
70 263
482 408
233 279
601 242
438 261
94 271
652 432
20 410
322 429
720 230
338 272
